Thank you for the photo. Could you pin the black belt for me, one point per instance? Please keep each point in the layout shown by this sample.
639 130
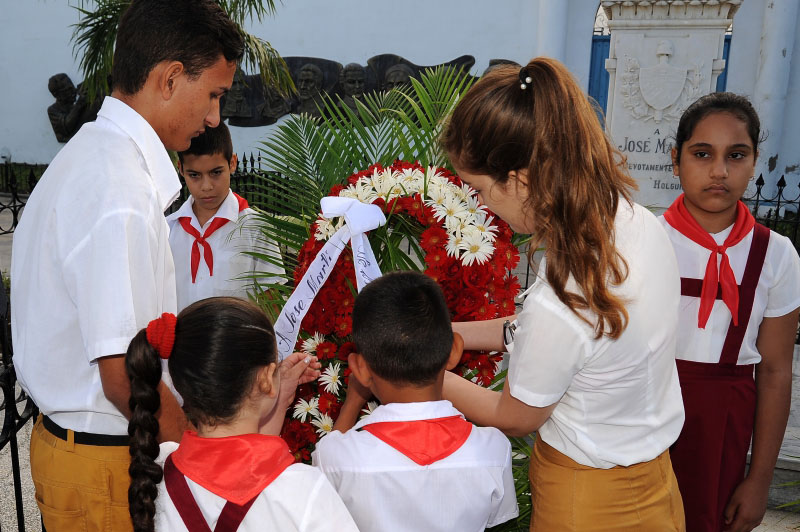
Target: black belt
85 438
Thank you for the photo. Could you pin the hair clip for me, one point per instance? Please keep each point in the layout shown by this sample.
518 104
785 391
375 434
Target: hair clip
161 334
524 79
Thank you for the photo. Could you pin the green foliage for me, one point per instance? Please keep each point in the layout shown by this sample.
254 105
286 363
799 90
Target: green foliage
95 34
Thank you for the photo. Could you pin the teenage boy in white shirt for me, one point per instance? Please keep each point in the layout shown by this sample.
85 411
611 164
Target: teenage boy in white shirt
91 262
414 463
213 225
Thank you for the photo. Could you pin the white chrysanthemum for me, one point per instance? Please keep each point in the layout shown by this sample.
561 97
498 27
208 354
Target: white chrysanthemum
476 248
483 224
324 424
310 344
331 378
384 183
412 179
436 195
371 406
473 207
453 247
303 408
325 229
468 191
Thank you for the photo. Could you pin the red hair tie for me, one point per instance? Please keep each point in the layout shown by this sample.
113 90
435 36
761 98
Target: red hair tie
161 334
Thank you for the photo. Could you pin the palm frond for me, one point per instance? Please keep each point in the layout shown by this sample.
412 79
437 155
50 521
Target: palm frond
93 39
241 10
259 54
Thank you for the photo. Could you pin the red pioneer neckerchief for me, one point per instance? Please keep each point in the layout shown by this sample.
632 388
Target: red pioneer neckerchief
679 217
200 240
425 441
236 468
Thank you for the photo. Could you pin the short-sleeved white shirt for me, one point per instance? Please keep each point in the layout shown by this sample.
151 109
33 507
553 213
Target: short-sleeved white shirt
299 499
228 244
618 401
91 264
471 489
777 294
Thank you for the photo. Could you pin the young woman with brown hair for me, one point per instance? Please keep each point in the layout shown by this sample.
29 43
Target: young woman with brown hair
592 353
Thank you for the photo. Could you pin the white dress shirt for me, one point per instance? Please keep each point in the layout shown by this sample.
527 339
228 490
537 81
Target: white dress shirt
228 244
777 294
299 499
91 264
469 490
619 401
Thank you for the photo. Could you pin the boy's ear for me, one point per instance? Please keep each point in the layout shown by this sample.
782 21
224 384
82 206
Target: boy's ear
265 380
359 368
180 166
233 163
456 352
167 77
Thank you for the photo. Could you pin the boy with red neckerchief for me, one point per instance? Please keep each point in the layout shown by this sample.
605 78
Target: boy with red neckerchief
208 233
740 293
414 463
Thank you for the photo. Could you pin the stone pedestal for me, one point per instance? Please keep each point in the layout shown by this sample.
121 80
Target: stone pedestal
664 55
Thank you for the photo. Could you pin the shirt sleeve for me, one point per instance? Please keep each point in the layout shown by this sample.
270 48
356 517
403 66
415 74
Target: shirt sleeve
550 347
325 507
111 278
784 295
505 505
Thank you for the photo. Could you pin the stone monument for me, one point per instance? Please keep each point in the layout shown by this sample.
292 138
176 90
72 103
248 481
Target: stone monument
664 54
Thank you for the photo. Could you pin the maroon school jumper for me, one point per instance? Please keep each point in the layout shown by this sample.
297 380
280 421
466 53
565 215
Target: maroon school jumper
720 402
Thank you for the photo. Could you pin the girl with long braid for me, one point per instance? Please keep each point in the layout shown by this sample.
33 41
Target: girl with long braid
234 472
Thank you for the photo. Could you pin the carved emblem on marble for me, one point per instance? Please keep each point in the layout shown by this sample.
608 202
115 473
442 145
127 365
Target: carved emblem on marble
659 92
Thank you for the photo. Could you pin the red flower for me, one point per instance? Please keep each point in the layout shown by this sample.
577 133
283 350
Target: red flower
433 238
345 350
326 350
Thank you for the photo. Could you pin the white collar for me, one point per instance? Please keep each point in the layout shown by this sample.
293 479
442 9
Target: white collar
410 412
155 156
228 209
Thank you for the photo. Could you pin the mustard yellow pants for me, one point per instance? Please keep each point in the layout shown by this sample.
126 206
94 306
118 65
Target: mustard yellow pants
568 496
79 487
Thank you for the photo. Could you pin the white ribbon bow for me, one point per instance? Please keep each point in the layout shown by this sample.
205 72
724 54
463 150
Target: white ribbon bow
359 218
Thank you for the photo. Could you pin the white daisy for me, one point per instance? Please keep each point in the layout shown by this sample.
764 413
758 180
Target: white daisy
476 248
324 424
331 378
453 247
302 408
310 344
483 223
371 406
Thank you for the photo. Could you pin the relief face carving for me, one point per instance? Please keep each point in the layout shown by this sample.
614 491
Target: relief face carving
309 89
353 82
396 76
661 91
236 105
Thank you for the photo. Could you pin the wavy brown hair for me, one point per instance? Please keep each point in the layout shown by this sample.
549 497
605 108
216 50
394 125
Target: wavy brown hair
576 177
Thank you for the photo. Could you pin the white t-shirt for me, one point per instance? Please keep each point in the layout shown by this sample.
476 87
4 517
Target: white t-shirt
471 489
777 294
619 401
91 264
299 499
227 246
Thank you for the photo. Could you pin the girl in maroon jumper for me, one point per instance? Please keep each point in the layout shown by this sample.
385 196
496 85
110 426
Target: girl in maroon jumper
740 288
234 473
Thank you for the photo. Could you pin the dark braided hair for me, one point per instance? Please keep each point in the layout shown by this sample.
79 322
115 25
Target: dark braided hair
220 345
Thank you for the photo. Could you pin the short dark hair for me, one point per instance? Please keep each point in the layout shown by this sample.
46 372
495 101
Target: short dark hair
401 326
717 102
194 32
214 140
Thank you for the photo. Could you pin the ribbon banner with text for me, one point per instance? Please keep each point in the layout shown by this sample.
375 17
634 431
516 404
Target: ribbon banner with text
358 219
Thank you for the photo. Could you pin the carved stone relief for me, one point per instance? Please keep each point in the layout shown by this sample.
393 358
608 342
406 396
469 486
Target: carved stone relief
250 104
661 91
